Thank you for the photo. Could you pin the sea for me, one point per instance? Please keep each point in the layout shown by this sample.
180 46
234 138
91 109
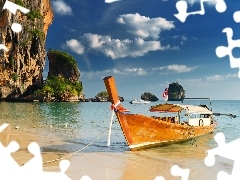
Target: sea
84 126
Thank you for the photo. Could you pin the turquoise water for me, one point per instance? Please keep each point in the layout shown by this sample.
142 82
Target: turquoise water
87 120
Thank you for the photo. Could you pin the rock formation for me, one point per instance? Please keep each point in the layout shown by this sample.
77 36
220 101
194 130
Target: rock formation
175 92
103 97
148 97
64 64
21 67
63 77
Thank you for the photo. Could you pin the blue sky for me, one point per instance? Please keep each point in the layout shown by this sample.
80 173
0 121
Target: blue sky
145 47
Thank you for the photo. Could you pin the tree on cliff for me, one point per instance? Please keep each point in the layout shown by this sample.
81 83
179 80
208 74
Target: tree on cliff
175 92
64 64
103 94
60 86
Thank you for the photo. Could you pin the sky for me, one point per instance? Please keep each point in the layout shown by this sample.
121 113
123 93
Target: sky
145 47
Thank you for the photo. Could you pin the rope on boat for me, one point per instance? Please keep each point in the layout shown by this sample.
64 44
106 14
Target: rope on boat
193 139
64 157
110 128
190 134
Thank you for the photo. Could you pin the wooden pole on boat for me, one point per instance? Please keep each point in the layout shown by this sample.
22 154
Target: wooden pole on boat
113 97
111 89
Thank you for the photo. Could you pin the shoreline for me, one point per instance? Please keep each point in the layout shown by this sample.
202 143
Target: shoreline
139 165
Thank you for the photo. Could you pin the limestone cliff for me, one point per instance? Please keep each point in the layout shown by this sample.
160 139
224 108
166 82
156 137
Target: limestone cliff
63 81
175 92
64 64
21 67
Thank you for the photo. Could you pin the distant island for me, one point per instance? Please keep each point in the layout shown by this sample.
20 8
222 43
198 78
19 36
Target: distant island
175 92
101 97
147 96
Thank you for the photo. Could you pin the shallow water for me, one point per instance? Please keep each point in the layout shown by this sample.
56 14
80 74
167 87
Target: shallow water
78 124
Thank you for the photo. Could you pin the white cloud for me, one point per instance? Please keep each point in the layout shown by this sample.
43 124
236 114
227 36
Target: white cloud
61 8
196 83
180 68
190 80
181 37
209 78
139 71
116 48
142 27
221 77
126 71
215 78
231 76
75 46
175 48
145 27
174 68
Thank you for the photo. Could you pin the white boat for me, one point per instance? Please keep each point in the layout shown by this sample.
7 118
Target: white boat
140 101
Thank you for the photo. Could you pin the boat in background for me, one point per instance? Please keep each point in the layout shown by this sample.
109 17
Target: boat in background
140 101
182 122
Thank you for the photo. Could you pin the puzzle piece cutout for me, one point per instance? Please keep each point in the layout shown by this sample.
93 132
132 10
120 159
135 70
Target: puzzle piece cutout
222 51
3 126
177 171
182 7
236 16
228 150
33 169
16 27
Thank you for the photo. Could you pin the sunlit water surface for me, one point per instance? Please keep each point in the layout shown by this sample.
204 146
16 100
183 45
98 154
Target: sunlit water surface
78 124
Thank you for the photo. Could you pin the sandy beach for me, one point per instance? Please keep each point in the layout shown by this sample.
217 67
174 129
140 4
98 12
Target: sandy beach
139 165
24 138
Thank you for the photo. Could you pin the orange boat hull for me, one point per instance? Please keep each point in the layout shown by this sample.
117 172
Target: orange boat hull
144 132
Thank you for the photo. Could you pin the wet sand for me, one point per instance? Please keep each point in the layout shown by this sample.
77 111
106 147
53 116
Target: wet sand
124 166
140 165
24 138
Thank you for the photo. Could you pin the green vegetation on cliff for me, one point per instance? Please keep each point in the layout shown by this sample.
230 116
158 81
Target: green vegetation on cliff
63 58
19 2
103 94
36 33
32 15
58 86
175 92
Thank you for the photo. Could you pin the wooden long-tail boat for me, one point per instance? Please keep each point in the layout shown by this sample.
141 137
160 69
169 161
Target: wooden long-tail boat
143 131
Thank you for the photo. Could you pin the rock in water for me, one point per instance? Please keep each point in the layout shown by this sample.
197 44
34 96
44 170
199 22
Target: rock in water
175 92
148 97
